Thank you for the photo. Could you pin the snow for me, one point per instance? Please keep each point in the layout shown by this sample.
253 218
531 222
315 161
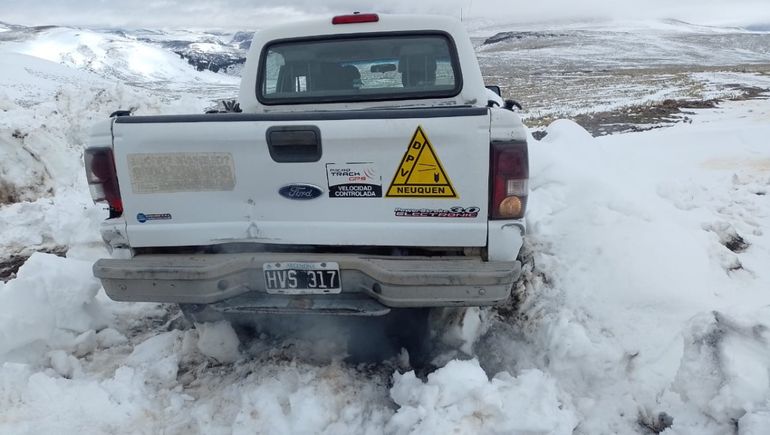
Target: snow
645 301
49 304
486 27
121 57
219 341
641 305
47 113
459 398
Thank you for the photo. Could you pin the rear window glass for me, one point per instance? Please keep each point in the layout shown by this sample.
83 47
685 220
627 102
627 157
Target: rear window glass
359 69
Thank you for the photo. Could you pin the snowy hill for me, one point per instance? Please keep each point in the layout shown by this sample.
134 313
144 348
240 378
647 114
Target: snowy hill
644 305
55 84
141 58
214 52
631 46
556 70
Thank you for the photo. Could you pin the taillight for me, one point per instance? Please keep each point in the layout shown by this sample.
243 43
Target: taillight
103 179
355 18
508 180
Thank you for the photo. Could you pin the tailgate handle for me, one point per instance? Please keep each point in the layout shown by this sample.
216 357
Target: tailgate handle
294 144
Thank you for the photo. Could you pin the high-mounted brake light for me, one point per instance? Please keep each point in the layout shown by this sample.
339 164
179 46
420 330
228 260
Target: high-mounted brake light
508 180
355 18
103 179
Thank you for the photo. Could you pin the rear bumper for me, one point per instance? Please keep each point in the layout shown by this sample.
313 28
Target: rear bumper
388 281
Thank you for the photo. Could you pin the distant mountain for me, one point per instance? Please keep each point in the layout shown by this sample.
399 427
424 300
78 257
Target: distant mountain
204 51
12 32
208 54
243 39
217 52
759 27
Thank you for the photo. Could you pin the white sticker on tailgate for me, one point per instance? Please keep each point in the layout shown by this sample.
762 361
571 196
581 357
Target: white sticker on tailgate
181 172
354 180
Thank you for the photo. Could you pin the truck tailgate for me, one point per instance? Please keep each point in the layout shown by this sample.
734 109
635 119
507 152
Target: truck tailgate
397 177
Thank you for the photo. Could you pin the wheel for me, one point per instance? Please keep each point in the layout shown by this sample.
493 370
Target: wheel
409 328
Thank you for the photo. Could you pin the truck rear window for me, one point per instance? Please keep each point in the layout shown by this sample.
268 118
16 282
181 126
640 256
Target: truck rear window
356 68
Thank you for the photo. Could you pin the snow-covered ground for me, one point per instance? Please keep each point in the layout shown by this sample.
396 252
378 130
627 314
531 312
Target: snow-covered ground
649 289
136 58
559 70
645 302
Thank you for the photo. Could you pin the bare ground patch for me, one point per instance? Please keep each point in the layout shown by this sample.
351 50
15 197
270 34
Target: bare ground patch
645 117
8 193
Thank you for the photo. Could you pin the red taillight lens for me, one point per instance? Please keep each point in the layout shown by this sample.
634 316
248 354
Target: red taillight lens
508 180
355 18
103 179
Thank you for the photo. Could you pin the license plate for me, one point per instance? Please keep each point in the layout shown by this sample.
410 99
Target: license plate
302 278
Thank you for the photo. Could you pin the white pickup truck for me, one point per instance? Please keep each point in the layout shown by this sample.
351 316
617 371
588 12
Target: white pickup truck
369 168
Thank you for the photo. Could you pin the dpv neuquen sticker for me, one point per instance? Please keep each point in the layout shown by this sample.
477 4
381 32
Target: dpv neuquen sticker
420 174
353 180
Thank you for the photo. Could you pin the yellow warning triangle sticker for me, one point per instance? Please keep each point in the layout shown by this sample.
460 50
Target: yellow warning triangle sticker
420 174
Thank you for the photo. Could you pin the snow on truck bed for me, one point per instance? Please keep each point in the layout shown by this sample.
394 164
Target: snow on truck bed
645 302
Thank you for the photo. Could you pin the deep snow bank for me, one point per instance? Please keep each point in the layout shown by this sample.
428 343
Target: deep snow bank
47 112
639 300
459 398
49 306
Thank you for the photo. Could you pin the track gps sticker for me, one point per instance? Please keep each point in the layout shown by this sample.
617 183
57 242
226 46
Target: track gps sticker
353 180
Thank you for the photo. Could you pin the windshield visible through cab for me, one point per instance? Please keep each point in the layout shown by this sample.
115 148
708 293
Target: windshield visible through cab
338 69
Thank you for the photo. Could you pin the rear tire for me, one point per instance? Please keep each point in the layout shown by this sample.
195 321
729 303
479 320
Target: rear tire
376 339
409 328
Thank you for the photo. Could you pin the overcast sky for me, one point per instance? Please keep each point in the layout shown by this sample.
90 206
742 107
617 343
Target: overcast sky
244 14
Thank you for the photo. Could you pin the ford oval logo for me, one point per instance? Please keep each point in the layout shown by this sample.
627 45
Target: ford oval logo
300 191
